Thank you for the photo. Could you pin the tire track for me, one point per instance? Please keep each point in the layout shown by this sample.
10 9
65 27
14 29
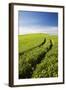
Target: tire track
42 55
42 71
45 48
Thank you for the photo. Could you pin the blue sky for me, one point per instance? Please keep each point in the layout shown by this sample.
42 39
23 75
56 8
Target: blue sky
37 22
32 18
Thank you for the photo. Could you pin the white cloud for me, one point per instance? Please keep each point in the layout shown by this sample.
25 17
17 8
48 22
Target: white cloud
28 30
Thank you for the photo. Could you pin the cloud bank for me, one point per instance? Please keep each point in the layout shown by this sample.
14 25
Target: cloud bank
28 30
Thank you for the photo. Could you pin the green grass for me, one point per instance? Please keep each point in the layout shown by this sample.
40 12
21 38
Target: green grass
48 66
38 55
29 41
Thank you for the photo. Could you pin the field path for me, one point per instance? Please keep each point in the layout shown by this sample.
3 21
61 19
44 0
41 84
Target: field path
33 61
42 55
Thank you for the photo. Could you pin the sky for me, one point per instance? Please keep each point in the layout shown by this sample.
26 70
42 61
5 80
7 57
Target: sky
31 21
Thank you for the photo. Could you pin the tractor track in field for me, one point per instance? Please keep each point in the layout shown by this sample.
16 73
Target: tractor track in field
33 47
43 54
40 56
